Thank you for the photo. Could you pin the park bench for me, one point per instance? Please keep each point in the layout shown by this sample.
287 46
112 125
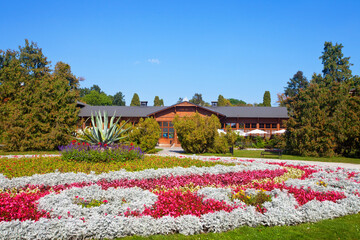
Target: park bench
272 152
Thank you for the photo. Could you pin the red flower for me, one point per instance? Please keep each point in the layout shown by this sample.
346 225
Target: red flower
105 145
73 141
99 143
78 143
131 144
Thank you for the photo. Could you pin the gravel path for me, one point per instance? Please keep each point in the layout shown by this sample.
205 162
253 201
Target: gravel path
178 151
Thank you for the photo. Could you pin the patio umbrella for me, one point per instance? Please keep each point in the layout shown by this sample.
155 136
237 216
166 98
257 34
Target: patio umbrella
280 131
221 131
257 131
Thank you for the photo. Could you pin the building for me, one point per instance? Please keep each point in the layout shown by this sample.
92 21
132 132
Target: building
268 119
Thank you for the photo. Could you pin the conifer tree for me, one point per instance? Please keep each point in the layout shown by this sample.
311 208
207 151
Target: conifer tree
37 108
158 101
324 119
119 99
267 99
297 82
135 101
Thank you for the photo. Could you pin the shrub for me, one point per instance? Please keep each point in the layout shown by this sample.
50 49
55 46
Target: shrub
103 132
84 152
220 145
197 133
146 134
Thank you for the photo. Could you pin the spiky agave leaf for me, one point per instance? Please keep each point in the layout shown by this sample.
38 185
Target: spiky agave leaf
104 132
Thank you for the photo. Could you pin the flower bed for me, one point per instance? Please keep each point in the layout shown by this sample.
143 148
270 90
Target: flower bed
174 200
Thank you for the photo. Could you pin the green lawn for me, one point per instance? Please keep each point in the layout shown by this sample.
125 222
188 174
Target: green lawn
347 227
256 154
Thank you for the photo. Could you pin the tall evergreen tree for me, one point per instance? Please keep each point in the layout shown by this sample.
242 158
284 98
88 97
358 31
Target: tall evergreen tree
119 99
324 119
135 101
37 108
267 99
297 82
158 101
336 66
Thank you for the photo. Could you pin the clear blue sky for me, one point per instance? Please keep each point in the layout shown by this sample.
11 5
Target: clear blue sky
174 49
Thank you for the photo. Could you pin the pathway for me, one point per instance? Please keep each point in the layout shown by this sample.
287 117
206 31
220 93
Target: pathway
178 151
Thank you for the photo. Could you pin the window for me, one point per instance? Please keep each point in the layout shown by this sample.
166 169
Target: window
261 125
268 125
241 125
167 129
253 125
171 132
247 125
232 125
274 125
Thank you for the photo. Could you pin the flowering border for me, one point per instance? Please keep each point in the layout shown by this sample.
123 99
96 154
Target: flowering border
284 209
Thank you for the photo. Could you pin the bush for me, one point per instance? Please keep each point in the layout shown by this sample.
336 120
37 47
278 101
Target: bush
220 145
146 134
197 133
84 152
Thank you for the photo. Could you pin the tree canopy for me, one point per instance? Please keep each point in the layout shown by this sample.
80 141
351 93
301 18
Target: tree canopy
37 105
158 101
198 100
135 101
223 101
295 84
324 117
119 99
266 99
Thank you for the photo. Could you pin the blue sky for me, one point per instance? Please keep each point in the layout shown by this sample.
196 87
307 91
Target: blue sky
173 49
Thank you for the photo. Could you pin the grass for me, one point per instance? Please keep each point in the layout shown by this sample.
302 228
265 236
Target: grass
18 167
256 154
347 227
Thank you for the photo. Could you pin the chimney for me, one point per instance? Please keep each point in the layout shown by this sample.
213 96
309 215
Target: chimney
214 104
143 103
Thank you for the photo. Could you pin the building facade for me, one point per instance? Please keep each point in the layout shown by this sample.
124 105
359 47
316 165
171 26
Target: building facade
268 119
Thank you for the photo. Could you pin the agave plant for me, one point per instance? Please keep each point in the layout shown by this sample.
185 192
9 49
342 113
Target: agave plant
103 132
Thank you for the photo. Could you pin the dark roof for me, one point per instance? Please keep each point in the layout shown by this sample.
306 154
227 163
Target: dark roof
243 112
252 112
123 111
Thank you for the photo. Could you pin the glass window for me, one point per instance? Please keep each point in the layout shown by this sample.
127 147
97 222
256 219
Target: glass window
160 124
171 124
268 125
165 133
232 125
261 125
253 125
165 124
241 125
274 125
247 125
